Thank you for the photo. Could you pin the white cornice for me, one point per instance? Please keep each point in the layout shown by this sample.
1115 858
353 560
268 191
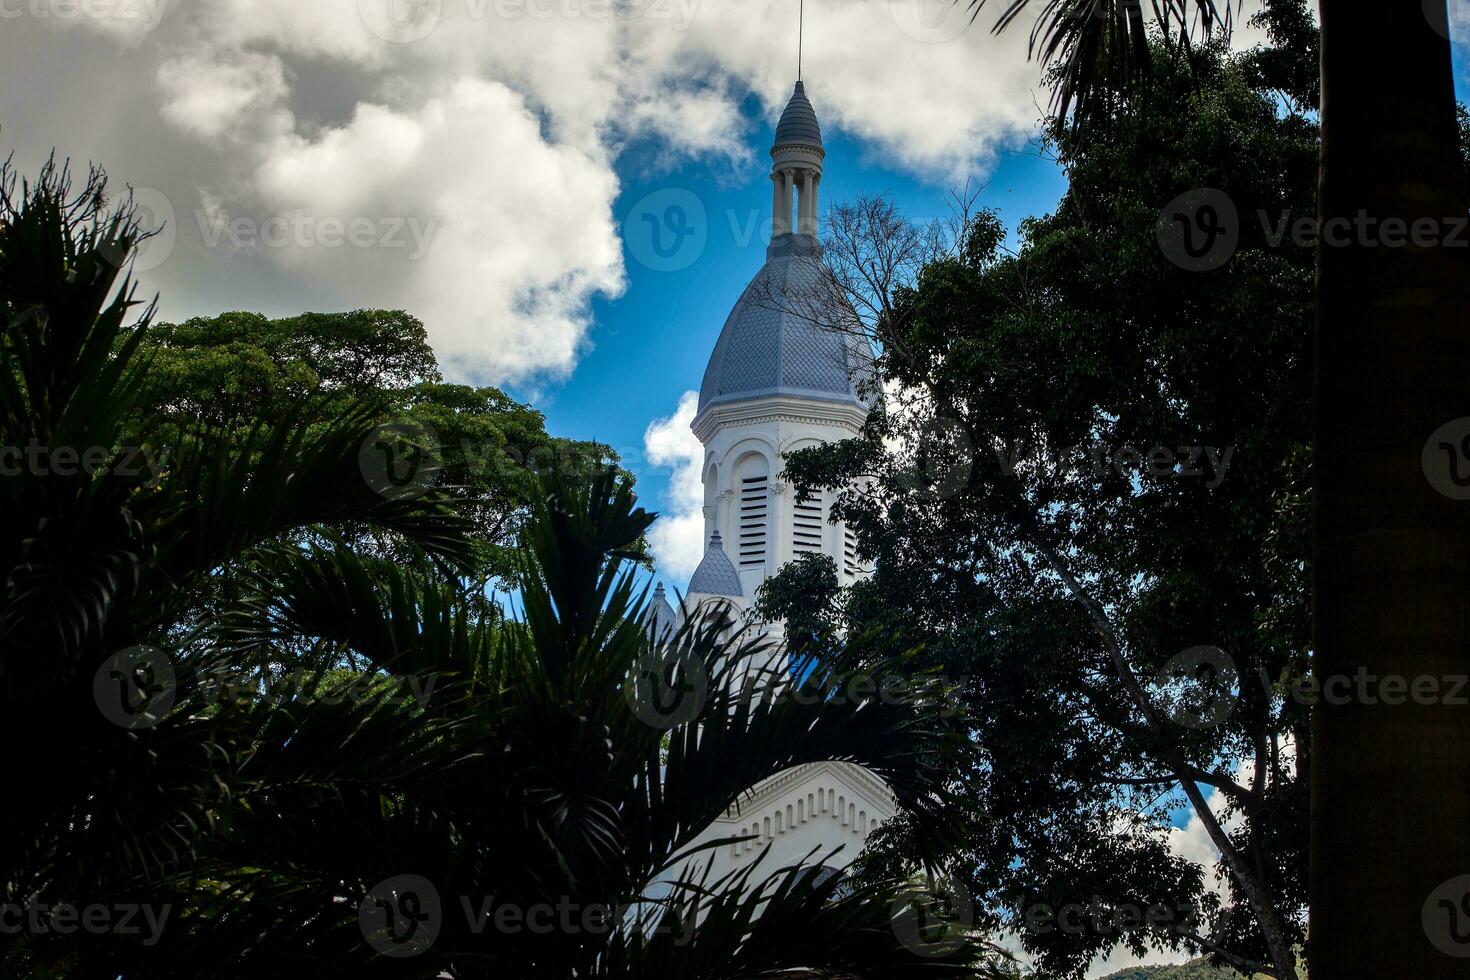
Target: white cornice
778 408
848 774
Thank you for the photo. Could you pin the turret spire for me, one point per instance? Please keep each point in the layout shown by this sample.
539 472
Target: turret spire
796 165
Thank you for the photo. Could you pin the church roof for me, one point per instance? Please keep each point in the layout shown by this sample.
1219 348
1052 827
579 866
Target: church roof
798 123
780 337
715 575
659 618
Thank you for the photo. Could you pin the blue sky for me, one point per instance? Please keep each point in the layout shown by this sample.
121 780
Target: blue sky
650 345
527 139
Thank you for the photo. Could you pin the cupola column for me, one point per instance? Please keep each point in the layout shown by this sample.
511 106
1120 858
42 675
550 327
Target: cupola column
808 224
778 184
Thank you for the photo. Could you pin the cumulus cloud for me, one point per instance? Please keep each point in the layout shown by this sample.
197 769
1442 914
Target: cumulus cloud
677 538
213 93
497 123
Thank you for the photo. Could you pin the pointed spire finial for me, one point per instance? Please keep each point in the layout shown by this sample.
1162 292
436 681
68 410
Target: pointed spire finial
800 30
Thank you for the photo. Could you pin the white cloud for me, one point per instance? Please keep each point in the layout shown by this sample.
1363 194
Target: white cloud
677 538
213 93
522 229
498 121
128 21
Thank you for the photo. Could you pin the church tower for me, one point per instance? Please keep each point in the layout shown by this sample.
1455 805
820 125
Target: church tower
789 371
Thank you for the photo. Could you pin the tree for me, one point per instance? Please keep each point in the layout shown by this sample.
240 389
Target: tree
1391 334
421 748
1090 482
236 368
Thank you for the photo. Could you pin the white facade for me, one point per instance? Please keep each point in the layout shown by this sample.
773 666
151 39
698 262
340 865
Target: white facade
782 379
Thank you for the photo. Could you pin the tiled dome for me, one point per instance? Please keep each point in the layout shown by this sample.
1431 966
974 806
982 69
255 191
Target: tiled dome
780 337
798 123
715 575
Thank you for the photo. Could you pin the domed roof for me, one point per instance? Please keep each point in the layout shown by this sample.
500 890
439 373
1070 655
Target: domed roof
798 122
715 575
780 337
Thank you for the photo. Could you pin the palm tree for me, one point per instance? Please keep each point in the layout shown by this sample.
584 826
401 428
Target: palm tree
1392 568
423 766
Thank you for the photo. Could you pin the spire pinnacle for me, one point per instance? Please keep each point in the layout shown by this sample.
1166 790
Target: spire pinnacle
800 30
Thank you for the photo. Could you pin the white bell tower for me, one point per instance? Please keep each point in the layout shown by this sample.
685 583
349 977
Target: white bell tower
787 372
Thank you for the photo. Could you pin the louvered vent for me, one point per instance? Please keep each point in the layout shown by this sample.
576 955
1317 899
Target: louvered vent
806 527
849 552
754 508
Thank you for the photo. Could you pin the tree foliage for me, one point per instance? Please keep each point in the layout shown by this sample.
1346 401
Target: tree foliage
269 827
1093 463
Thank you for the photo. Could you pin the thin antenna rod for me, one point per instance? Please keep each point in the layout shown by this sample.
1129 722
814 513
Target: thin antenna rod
800 26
